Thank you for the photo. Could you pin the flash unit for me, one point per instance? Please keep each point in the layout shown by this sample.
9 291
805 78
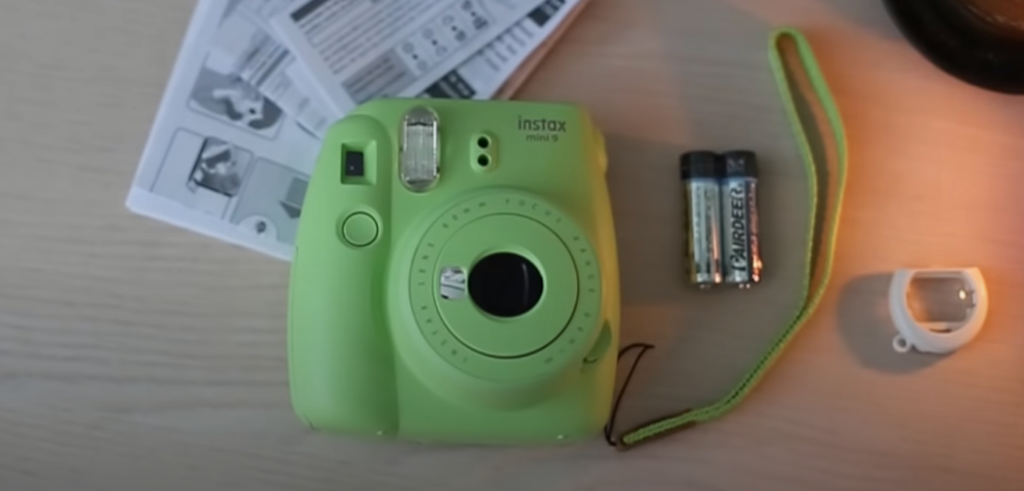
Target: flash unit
421 153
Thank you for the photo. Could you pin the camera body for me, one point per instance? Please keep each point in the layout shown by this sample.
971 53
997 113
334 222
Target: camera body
455 277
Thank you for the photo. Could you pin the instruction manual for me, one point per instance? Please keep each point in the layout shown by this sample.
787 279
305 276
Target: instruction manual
258 82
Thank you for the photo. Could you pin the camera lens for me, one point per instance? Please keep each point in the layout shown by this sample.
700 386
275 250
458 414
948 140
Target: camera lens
505 285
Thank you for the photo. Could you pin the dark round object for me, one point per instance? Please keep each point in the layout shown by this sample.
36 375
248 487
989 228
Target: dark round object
980 42
505 285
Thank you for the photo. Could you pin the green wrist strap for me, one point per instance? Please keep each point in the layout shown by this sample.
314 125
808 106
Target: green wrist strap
824 217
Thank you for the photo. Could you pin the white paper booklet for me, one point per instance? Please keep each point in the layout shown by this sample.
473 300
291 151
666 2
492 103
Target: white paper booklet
244 46
271 67
221 158
485 73
357 50
237 131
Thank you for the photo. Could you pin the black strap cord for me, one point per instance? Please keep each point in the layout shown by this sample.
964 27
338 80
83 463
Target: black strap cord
610 427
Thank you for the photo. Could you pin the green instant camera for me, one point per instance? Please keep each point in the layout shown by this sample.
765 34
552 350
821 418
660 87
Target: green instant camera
455 277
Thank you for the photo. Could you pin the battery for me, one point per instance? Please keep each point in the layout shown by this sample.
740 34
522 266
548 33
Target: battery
741 252
700 173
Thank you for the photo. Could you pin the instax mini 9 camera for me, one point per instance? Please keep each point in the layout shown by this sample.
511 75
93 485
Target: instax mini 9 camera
455 277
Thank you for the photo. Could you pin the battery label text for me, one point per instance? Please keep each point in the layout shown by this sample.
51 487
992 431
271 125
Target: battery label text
738 228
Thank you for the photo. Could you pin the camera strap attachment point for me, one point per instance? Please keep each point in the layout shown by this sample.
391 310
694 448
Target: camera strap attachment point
825 194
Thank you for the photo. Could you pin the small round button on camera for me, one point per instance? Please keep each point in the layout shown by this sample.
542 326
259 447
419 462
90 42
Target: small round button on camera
359 229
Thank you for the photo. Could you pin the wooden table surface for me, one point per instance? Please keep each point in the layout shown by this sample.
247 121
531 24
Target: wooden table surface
135 355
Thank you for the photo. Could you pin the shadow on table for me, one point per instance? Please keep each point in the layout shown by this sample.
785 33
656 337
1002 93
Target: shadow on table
868 330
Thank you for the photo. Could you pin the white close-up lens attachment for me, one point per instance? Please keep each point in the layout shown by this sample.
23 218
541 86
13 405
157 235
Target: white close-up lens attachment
938 326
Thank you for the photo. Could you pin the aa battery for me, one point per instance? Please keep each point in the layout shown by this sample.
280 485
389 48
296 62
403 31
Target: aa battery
741 253
701 172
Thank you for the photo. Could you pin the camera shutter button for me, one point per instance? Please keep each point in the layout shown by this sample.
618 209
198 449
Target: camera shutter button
359 229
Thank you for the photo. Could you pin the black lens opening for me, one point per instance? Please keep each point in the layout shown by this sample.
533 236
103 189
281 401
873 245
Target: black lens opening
505 285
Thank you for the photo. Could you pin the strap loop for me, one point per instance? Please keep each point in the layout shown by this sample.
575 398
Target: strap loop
821 236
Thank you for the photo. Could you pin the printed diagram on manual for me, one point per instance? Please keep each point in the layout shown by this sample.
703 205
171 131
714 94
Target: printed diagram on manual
360 50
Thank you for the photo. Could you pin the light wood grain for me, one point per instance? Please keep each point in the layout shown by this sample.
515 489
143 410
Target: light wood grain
134 355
